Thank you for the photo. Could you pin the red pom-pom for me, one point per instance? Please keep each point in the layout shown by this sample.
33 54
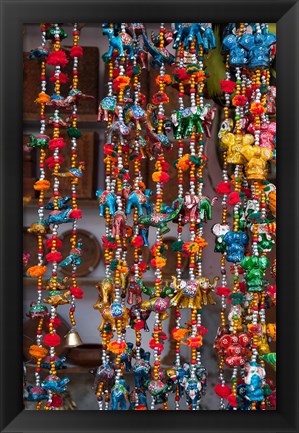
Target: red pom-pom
76 213
242 287
57 58
239 100
232 400
223 188
77 292
158 346
57 401
222 290
63 78
51 162
180 74
227 86
233 198
57 143
137 241
54 257
49 243
164 177
76 51
139 324
202 330
56 322
142 267
222 391
52 340
164 165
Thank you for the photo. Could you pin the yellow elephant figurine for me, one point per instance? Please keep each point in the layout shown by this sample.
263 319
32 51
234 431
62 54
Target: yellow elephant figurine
234 144
257 158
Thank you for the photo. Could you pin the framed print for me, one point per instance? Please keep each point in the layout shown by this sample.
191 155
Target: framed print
149 216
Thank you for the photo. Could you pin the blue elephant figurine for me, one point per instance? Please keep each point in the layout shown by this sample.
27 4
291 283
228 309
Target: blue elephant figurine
106 199
139 199
53 383
235 245
186 32
36 393
119 395
243 403
259 49
238 56
73 258
141 370
255 374
193 391
183 374
126 357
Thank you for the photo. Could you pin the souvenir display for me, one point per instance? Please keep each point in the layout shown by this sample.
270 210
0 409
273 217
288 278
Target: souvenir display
134 297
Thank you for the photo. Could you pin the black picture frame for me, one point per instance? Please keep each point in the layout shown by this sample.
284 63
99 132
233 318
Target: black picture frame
13 14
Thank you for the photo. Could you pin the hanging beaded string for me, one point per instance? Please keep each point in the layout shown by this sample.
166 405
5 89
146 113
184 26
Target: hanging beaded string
137 185
41 185
179 224
199 188
108 252
238 174
56 158
119 206
224 221
159 241
76 52
258 302
192 227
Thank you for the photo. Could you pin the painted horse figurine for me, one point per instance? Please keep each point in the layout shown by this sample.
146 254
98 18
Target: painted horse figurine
122 42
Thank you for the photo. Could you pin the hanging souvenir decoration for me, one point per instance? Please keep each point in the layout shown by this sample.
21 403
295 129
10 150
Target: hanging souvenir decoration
139 137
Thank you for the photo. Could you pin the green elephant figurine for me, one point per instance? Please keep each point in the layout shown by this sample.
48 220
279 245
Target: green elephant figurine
255 267
184 121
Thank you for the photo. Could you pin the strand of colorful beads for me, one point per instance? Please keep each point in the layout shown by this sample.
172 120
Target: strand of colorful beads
38 309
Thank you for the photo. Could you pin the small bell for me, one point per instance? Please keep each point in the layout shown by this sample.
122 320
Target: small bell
73 339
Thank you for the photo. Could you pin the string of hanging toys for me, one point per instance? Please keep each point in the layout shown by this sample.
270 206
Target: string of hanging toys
139 136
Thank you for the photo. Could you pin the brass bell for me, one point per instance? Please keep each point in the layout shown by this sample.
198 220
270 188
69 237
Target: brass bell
73 339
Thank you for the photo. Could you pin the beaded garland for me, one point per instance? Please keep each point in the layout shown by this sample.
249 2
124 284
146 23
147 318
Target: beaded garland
59 290
139 134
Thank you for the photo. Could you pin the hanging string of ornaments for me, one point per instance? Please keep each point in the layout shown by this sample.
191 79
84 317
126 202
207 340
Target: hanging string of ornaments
138 134
48 393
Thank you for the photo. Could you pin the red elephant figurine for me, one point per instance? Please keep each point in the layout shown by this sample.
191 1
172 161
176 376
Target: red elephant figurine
234 347
119 224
